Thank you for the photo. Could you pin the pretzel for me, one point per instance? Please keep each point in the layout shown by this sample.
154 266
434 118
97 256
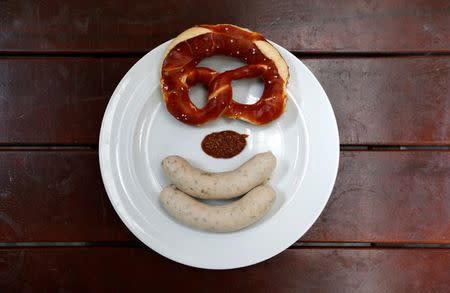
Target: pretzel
179 73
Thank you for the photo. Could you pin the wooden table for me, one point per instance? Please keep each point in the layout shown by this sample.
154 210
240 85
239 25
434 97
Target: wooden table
385 66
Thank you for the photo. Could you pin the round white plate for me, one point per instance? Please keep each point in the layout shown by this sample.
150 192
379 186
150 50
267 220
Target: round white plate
137 133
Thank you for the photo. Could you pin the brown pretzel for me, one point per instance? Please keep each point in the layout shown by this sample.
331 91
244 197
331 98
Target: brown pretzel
179 73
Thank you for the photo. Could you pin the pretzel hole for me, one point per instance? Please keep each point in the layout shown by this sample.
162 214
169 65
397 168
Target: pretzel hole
221 63
198 95
247 91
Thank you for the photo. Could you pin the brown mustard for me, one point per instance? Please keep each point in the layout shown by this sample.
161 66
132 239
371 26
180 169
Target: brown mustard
225 144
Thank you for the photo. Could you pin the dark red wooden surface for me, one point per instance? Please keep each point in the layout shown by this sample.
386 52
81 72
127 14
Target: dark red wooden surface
56 100
386 196
55 196
295 270
401 101
378 197
309 25
376 100
61 60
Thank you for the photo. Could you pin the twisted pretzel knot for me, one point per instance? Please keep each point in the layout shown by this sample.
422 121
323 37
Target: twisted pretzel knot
179 73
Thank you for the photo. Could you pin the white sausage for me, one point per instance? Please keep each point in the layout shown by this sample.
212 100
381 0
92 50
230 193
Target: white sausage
223 185
225 218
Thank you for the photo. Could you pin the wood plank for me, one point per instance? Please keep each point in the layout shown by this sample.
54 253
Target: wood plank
378 197
376 100
308 25
56 100
299 270
400 101
388 197
55 196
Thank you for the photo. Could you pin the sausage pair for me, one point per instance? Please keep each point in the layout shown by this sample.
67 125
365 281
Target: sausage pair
190 181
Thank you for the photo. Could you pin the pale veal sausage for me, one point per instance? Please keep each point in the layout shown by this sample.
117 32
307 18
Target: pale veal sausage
224 218
223 185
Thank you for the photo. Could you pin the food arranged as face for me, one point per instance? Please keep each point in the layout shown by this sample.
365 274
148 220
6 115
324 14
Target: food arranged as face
190 185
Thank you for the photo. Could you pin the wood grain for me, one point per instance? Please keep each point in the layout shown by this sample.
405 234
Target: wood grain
55 196
299 270
56 100
401 101
378 197
388 197
307 26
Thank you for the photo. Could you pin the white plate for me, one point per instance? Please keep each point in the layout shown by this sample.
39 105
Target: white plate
137 133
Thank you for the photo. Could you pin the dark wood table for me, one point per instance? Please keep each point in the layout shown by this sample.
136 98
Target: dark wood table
385 66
